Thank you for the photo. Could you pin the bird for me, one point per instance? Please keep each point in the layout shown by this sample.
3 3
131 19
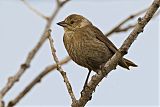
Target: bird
87 45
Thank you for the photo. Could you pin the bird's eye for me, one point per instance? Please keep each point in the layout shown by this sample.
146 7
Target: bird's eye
72 22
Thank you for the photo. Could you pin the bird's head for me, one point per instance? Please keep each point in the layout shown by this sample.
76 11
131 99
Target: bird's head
74 21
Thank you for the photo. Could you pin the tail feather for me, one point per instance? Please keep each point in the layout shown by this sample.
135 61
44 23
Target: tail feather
125 63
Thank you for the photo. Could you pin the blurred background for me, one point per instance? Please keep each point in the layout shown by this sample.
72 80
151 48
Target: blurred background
20 30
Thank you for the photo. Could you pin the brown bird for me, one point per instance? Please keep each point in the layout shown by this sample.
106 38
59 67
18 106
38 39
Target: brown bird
87 45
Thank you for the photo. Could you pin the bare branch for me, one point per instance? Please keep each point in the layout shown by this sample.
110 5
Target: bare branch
113 30
15 78
58 2
124 29
64 2
1 102
37 80
59 68
112 63
34 10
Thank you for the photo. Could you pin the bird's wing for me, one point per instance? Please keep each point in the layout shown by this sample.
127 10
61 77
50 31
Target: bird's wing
100 36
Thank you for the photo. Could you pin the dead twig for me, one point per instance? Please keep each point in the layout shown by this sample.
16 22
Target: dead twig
34 10
124 29
15 78
113 30
35 81
59 68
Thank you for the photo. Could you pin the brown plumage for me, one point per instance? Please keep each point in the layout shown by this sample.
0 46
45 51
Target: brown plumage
87 45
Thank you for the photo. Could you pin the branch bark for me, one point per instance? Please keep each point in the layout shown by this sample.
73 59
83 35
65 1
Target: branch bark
37 80
114 30
34 10
112 63
124 29
59 68
15 78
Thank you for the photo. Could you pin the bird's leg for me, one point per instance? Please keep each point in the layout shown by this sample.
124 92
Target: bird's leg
85 84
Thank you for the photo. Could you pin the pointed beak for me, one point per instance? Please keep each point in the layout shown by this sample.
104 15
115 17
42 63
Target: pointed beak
62 23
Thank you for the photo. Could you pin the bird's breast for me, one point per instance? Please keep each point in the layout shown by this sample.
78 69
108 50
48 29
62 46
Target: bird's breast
73 45
86 50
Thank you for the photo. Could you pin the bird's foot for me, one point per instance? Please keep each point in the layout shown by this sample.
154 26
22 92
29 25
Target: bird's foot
85 91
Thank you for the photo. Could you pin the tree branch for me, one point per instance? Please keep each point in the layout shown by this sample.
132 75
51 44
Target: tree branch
15 78
112 63
34 10
35 81
113 30
59 68
124 29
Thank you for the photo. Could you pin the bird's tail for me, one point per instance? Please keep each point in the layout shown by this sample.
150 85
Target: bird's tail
125 63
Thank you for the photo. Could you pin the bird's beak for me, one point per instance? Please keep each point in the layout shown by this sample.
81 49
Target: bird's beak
62 23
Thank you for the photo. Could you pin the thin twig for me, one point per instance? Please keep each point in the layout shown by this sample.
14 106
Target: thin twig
59 68
58 2
1 102
34 10
124 29
36 80
113 30
15 78
112 63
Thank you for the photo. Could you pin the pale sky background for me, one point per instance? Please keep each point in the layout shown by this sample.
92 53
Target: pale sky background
20 30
